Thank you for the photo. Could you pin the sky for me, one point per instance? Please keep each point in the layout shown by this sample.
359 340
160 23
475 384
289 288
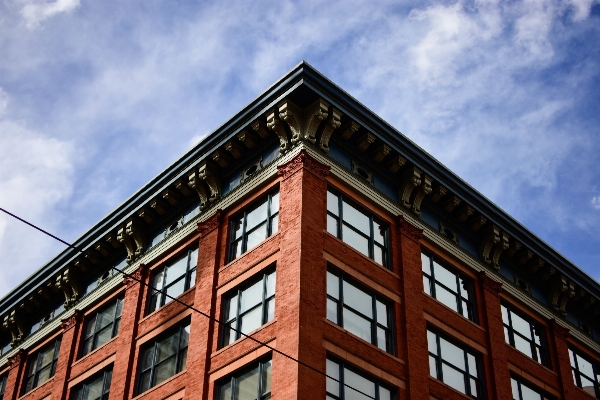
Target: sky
98 97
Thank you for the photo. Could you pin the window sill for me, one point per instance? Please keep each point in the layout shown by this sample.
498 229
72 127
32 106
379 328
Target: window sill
154 388
82 358
241 339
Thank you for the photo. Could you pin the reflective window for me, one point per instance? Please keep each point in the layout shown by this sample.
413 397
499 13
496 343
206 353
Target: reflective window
41 366
249 308
524 335
96 388
173 279
586 374
358 311
357 228
5 345
102 326
2 385
448 287
349 384
254 225
164 357
249 384
523 391
454 365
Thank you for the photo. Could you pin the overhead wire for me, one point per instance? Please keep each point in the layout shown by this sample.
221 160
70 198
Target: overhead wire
211 318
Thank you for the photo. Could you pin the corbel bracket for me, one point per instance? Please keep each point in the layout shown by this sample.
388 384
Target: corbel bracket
134 228
15 322
208 173
69 281
195 182
331 124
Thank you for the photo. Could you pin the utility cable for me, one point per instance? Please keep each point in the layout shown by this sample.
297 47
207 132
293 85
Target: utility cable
130 276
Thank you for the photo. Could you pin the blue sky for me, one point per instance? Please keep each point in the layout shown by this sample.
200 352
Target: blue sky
96 98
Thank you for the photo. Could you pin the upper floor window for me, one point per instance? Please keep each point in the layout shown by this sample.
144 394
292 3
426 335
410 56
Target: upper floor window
358 229
586 374
102 326
454 365
164 357
249 384
5 345
3 380
254 225
522 391
41 366
173 279
249 307
96 388
359 312
524 335
448 287
348 380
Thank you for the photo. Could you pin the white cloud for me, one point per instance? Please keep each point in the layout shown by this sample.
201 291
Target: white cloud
595 202
581 9
38 11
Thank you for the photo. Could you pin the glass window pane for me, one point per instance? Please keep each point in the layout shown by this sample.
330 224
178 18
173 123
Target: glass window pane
515 389
44 374
230 334
147 358
144 381
382 338
252 296
175 290
523 345
446 297
472 365
529 394
275 203
521 325
452 354
332 225
89 328
379 231
271 284
251 321
267 371
504 315
357 299
466 310
164 371
185 337
384 394
453 378
356 218
256 236
106 317
256 216
474 388
194 258
157 280
167 347
431 342
247 387
119 308
332 203
176 270
225 391
104 336
357 325
426 285
231 308
274 224
332 311
358 382
585 366
95 388
182 360
46 356
444 276
433 367
378 254
382 313
333 285
270 309
237 228
425 264
333 370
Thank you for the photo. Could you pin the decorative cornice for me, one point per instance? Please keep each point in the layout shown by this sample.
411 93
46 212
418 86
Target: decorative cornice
71 321
210 224
136 276
409 230
559 331
303 161
17 359
492 286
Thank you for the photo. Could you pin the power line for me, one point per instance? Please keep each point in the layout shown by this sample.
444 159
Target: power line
189 306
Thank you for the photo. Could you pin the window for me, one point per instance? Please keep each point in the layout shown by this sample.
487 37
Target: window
249 308
173 279
358 229
586 374
359 312
3 380
348 380
455 366
5 345
522 391
524 335
102 326
448 287
254 225
252 384
164 358
41 366
95 388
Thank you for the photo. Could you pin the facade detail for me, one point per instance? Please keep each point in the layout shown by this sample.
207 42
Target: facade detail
313 252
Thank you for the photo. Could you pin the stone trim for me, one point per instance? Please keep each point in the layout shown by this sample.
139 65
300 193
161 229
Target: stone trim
409 230
303 161
71 321
489 284
212 223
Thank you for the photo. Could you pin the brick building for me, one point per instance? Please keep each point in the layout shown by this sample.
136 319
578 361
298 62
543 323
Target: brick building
312 225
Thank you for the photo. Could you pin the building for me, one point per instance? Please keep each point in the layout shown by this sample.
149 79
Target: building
311 224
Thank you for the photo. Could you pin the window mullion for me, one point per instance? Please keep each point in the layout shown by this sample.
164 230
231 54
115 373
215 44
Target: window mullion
371 238
238 306
244 238
374 339
458 295
341 217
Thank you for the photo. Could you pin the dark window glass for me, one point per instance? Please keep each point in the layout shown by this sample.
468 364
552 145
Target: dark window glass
523 391
5 346
586 373
2 385
454 365
359 311
164 357
254 225
102 326
173 279
249 308
249 384
96 388
41 366
524 335
357 228
349 384
448 287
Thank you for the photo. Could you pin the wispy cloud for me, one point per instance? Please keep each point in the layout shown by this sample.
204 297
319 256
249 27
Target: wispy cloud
37 11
